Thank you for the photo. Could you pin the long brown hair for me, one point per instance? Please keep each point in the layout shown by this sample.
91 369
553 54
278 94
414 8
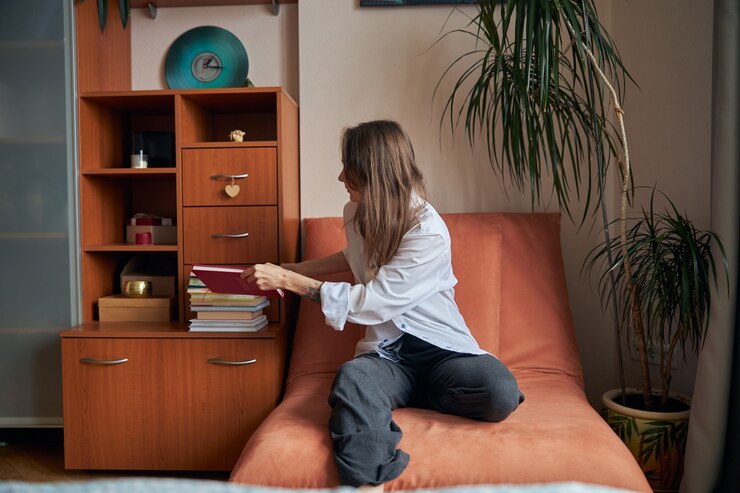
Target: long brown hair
378 160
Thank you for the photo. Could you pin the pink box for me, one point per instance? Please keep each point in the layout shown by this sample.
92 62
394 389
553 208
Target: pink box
160 234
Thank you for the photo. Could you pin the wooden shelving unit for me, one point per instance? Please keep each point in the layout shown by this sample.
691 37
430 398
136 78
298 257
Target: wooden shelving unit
173 403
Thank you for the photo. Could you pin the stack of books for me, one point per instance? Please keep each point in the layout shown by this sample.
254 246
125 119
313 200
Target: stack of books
224 312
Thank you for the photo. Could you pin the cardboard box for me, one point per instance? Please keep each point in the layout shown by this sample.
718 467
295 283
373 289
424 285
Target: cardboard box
119 308
154 271
160 234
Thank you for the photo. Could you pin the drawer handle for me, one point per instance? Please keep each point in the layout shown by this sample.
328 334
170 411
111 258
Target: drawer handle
92 361
229 177
226 235
217 361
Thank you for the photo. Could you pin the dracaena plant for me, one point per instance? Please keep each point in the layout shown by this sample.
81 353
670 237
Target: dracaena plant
530 92
542 88
673 274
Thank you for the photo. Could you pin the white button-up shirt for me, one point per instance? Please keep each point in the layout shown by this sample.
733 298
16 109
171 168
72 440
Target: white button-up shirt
413 293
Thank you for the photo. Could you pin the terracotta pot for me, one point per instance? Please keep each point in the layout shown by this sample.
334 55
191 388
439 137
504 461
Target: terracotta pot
657 440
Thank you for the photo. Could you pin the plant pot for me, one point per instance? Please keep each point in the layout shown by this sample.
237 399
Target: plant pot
656 439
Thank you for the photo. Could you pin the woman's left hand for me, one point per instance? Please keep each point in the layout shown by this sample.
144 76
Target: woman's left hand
267 276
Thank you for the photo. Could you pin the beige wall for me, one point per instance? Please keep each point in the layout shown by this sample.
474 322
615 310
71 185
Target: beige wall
271 41
667 46
384 63
357 64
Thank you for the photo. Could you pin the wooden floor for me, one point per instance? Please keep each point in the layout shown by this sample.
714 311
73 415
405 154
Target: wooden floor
37 455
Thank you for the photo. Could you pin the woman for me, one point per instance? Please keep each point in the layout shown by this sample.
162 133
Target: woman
417 350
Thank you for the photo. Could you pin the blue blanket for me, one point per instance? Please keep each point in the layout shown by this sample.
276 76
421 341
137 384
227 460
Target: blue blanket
144 485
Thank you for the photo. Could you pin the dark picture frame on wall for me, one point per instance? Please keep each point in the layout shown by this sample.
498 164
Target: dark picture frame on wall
396 3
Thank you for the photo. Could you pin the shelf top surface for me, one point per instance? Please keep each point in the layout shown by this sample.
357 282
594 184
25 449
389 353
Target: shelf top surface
226 99
159 330
184 92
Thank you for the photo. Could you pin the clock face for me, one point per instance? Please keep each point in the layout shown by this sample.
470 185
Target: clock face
206 66
206 57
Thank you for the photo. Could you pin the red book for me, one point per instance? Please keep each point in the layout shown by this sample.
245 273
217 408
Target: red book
223 279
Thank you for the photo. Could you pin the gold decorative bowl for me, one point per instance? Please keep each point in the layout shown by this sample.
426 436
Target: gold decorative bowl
137 289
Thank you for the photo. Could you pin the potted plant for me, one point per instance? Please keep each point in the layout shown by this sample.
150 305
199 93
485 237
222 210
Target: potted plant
539 88
666 286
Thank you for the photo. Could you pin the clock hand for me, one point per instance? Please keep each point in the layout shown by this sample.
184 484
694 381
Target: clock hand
208 64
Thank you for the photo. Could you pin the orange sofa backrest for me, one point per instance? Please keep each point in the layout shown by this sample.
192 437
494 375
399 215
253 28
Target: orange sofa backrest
511 291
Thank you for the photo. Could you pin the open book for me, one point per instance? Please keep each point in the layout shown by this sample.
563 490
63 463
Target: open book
223 279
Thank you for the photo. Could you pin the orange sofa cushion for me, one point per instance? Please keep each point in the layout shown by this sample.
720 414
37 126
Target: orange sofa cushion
511 291
513 296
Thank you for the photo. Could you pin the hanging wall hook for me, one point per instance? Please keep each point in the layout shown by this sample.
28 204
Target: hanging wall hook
152 8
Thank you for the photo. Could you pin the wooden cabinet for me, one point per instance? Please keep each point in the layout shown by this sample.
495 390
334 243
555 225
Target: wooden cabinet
179 401
217 222
163 398
154 395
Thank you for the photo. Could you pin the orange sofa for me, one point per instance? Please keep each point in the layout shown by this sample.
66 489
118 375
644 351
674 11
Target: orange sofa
513 296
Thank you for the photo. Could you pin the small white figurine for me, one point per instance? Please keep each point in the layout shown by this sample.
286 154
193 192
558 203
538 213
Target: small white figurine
236 136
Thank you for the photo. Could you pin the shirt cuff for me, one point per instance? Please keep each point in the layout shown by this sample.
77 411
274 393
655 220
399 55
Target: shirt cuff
335 303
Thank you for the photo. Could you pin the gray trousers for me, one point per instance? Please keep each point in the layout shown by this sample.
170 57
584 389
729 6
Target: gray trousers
367 388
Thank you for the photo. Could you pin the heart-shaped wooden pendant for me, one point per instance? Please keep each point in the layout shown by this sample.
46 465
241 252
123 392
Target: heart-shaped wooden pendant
232 190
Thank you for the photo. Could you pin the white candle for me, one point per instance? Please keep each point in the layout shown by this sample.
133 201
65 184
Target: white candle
139 160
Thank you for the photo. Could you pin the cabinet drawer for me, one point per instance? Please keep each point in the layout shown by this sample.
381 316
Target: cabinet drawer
174 404
230 235
106 403
218 398
207 172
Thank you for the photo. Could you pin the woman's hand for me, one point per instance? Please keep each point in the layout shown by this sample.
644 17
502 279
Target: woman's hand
270 276
267 276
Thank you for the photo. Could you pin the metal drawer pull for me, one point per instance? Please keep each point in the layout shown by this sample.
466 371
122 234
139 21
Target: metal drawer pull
226 235
229 177
217 361
92 361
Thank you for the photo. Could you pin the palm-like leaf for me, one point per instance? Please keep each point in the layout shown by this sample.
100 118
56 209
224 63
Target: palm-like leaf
102 13
674 272
124 10
529 78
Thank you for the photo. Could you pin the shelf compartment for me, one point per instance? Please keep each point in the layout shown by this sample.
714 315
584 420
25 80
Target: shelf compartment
109 120
107 203
102 265
210 117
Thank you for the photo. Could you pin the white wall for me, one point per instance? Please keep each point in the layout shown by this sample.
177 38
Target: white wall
358 64
667 47
271 41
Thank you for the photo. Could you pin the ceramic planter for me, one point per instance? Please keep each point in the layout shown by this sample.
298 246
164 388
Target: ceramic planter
656 439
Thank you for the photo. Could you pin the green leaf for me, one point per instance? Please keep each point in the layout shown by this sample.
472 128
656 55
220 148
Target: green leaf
102 13
124 10
531 89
